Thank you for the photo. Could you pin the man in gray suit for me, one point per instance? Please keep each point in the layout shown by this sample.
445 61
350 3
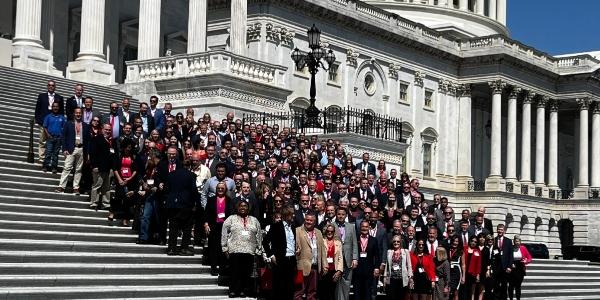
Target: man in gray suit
349 240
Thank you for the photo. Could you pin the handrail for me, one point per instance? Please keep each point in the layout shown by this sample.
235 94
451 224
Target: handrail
30 155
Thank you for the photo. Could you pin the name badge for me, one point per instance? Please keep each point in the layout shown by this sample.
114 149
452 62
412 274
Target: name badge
476 253
330 260
125 172
421 270
221 215
244 232
418 229
495 251
112 151
150 181
396 267
363 254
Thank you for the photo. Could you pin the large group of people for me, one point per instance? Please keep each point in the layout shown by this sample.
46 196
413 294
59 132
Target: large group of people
278 214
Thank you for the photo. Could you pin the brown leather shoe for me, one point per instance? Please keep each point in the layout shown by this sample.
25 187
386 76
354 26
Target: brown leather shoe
59 190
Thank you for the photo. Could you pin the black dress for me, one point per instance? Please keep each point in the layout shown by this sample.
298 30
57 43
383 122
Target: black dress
455 271
422 283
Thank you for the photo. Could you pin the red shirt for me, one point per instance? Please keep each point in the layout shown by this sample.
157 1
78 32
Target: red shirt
427 262
473 261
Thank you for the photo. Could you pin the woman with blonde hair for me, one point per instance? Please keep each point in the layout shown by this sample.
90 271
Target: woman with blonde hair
335 261
521 258
442 272
398 275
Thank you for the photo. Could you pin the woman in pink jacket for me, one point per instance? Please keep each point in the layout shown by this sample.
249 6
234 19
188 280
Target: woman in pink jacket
521 259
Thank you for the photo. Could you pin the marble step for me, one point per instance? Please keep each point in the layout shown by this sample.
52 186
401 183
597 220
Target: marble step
106 280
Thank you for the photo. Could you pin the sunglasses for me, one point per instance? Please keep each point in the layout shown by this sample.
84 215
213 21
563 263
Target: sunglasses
396 242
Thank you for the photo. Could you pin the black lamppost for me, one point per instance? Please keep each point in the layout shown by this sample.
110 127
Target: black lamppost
312 60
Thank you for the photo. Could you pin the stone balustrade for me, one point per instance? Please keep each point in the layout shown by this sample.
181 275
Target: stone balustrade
198 64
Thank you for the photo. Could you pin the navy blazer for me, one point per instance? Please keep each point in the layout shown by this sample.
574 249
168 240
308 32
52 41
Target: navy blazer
505 257
159 119
68 142
370 167
41 107
181 189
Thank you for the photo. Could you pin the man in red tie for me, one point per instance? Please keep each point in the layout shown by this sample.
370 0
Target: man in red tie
504 262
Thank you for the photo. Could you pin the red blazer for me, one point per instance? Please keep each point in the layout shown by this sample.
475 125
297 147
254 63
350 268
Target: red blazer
473 261
526 256
428 265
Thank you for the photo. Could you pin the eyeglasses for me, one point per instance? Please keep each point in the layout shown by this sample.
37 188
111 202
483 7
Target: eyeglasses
447 212
396 242
51 85
329 231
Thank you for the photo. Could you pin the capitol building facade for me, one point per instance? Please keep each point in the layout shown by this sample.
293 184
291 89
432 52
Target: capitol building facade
486 120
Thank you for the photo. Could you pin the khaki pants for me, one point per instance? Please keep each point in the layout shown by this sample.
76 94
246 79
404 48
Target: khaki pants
100 189
73 160
42 144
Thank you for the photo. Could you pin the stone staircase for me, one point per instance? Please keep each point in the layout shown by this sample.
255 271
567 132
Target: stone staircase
561 280
52 246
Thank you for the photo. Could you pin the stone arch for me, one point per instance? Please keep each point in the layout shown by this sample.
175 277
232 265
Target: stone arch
374 67
524 221
299 104
333 118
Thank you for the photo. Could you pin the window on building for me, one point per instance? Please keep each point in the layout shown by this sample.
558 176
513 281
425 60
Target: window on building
426 160
403 92
428 99
333 74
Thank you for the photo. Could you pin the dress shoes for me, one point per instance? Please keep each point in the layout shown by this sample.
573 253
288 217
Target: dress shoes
76 192
59 190
172 252
186 252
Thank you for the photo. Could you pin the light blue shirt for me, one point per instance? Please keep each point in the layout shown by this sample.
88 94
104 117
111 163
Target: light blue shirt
290 248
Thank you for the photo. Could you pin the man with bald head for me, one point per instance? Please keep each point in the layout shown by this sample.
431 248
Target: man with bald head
487 223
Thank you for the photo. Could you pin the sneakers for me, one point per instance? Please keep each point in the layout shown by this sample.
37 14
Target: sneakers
59 190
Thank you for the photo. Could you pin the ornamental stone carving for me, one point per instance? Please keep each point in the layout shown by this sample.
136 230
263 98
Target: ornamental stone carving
443 86
352 57
584 103
279 35
596 107
225 93
497 86
465 90
514 93
393 70
542 101
554 105
419 78
452 88
528 99
254 31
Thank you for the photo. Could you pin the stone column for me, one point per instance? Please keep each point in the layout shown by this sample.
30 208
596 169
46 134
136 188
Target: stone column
511 136
443 3
416 166
492 9
495 181
582 189
464 138
501 12
553 146
480 7
91 65
197 26
463 5
149 29
237 30
28 52
540 142
595 183
526 143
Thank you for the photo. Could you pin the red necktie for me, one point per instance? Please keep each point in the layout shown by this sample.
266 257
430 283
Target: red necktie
112 121
432 252
500 242
171 168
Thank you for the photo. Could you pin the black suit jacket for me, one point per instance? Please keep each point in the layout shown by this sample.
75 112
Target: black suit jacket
101 156
370 168
210 212
357 194
299 217
70 107
275 243
41 107
149 118
181 189
366 265
505 255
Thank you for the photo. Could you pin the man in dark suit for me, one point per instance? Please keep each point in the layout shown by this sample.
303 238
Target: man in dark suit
377 230
504 261
280 248
43 107
364 192
147 120
112 119
101 158
350 250
365 165
74 101
157 114
369 263
487 223
303 210
463 233
75 148
247 196
181 202
417 222
477 227
125 114
89 111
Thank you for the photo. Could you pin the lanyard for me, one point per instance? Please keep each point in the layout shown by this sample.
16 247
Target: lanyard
245 222
363 244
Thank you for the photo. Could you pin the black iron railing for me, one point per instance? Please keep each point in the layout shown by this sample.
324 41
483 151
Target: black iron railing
335 119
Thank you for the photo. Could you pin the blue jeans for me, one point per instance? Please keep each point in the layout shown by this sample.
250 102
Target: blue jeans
53 144
150 215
